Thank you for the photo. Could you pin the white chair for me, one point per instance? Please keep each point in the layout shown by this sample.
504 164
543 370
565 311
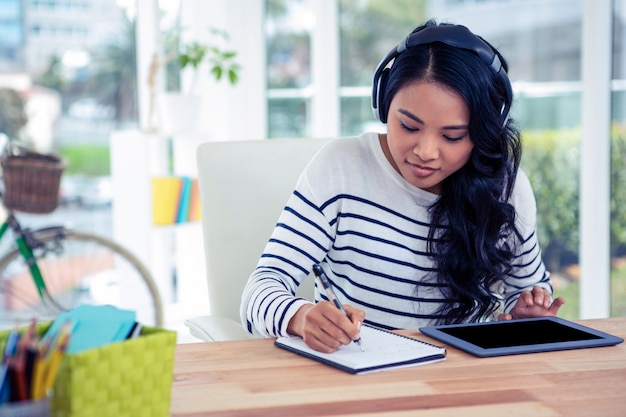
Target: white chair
244 186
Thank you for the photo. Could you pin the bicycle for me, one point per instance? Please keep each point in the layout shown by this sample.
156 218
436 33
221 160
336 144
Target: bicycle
52 269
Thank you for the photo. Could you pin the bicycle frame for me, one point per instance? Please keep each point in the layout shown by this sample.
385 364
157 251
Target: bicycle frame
21 240
25 251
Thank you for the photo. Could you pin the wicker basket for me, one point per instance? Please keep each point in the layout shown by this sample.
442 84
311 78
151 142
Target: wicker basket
31 181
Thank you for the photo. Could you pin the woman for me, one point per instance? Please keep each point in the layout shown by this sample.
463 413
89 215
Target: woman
430 223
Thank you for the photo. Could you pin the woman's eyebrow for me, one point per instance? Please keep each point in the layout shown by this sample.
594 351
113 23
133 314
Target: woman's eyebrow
455 127
418 120
411 115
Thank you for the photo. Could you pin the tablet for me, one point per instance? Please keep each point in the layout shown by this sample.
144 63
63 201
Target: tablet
539 334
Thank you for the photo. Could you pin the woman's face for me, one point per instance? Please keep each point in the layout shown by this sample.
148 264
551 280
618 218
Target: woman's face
427 134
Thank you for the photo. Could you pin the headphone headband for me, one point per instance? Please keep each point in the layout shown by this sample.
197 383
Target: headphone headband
453 35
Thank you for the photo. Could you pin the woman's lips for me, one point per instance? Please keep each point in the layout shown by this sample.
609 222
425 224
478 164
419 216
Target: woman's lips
421 170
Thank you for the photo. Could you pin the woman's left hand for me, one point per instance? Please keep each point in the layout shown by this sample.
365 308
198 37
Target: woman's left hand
535 303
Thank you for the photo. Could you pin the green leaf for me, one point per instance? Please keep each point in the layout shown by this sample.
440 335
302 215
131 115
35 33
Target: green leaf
217 72
220 62
232 76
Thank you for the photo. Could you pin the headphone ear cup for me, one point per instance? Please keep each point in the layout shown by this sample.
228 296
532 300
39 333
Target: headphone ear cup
508 100
380 111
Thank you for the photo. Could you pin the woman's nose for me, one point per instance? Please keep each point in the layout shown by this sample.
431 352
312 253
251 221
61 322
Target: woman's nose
426 147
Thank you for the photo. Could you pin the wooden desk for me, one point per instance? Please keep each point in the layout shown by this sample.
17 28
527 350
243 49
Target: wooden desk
254 378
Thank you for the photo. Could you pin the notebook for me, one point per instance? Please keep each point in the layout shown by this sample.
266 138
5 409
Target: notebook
540 334
94 326
383 350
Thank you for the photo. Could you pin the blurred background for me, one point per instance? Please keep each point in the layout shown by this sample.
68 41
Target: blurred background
73 73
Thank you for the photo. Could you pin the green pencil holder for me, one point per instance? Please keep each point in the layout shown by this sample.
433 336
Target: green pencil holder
132 378
38 408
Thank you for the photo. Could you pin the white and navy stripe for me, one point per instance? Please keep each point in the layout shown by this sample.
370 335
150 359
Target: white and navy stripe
369 230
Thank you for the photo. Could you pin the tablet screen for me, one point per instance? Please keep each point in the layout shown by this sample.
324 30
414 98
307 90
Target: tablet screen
539 334
516 333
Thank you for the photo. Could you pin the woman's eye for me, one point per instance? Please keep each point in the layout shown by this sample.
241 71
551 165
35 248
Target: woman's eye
453 139
408 129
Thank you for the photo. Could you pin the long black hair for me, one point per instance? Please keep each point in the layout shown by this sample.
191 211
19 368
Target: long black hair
471 221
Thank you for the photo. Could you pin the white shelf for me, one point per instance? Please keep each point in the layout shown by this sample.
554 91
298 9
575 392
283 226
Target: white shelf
167 251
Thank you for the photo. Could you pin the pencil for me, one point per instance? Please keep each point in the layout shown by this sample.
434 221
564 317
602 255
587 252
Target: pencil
53 363
36 383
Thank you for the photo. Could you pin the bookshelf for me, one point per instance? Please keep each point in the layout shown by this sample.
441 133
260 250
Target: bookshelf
173 253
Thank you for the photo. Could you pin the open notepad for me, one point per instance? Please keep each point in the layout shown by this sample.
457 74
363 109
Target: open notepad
383 350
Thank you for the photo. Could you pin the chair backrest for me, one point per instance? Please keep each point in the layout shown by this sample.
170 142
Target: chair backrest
244 186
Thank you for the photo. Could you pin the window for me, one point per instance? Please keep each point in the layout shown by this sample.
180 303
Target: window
368 31
542 42
618 165
77 72
288 31
11 33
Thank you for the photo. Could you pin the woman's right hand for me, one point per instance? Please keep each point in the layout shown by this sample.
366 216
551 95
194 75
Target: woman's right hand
324 327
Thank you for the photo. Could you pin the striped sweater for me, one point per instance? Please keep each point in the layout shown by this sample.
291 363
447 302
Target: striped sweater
368 227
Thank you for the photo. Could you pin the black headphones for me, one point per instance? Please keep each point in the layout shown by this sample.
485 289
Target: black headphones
453 35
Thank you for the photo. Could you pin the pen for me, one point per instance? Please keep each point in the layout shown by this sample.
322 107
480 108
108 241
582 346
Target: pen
31 352
17 376
319 272
4 384
11 345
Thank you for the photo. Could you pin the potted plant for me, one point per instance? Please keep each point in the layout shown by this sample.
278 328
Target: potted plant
179 109
222 63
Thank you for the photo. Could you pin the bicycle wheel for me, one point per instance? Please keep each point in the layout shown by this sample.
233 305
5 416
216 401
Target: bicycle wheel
78 268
